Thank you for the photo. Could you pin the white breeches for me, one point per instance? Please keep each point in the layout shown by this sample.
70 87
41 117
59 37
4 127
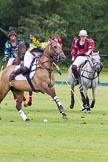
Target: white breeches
10 61
28 59
79 60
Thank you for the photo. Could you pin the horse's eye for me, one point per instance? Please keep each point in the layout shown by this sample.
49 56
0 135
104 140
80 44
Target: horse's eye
55 46
93 60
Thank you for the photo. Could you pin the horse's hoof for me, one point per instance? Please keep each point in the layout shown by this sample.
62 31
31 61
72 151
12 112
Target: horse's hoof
25 104
88 111
83 109
29 103
92 106
27 120
71 106
64 116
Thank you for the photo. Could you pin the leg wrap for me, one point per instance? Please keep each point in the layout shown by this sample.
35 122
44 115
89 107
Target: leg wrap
57 101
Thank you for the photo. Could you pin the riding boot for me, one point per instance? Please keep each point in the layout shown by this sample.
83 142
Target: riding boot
14 74
23 69
76 74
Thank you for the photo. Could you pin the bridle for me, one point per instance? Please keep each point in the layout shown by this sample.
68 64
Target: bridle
55 57
51 58
93 66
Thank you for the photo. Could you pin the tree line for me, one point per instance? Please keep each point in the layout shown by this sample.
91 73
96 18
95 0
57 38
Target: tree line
64 18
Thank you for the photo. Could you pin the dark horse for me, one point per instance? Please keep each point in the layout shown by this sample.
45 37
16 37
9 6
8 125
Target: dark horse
43 79
20 60
89 77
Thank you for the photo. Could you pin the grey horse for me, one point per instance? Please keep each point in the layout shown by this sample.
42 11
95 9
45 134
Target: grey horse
88 78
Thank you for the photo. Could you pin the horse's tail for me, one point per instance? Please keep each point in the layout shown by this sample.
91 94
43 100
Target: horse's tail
70 75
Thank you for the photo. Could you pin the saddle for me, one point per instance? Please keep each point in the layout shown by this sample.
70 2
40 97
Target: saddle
79 70
30 73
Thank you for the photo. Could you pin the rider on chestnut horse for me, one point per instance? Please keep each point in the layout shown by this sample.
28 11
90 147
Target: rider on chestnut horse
34 52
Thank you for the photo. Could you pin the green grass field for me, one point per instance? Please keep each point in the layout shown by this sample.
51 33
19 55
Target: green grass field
81 138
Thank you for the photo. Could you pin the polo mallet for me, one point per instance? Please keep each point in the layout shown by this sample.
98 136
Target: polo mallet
2 66
71 89
4 31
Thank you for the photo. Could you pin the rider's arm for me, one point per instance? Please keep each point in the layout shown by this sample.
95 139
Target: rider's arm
57 68
6 51
89 52
73 49
91 46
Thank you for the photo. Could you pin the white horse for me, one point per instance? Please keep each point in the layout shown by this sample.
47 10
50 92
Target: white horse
88 77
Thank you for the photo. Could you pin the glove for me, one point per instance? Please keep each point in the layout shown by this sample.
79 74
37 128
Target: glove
4 59
87 54
58 70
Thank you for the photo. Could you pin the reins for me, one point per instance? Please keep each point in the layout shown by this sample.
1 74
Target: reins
50 59
94 72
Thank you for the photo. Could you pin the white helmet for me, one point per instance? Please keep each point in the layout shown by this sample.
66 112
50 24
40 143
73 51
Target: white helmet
83 33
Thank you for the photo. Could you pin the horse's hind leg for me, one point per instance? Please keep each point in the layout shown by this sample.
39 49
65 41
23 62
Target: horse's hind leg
24 100
30 98
72 97
94 96
4 89
19 95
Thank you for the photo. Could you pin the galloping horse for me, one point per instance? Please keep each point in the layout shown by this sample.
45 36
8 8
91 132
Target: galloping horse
43 79
89 77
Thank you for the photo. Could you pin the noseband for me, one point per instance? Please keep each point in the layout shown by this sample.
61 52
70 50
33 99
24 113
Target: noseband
95 65
56 57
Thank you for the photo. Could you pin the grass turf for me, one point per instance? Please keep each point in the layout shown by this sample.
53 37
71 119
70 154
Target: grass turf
81 138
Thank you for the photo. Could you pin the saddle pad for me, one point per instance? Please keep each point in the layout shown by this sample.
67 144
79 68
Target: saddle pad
21 77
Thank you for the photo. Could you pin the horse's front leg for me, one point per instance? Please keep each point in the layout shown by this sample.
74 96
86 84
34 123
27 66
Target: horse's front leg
82 96
87 105
19 96
51 92
72 97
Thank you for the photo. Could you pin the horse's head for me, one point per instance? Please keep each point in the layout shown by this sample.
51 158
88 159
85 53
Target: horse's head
55 52
22 48
96 62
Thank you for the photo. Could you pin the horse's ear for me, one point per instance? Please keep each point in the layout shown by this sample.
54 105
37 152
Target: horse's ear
98 52
49 40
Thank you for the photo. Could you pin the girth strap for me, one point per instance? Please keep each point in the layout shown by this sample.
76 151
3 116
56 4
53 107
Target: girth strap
28 77
30 83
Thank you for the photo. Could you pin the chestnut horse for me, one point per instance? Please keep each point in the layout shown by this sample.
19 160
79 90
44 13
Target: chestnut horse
43 79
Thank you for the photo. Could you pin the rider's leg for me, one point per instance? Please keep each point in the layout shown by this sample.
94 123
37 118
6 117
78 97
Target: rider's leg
22 69
76 74
75 67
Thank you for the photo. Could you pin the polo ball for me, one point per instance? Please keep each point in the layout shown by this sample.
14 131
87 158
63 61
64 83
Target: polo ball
45 120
